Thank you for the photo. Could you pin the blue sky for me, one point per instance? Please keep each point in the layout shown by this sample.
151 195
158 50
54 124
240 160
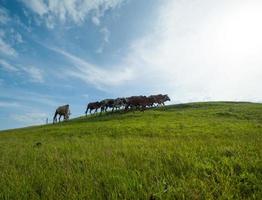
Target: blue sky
56 52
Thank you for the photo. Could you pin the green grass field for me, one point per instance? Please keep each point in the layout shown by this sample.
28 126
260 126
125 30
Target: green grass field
188 151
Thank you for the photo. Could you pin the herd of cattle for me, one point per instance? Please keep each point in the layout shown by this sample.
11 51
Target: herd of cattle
129 103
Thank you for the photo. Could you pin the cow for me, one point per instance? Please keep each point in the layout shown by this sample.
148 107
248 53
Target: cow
107 103
136 102
164 99
160 99
93 106
62 111
118 103
150 101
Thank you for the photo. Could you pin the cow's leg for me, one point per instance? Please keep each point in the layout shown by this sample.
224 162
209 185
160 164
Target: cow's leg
60 117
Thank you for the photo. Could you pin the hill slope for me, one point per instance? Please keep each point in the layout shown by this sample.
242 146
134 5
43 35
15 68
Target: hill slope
187 151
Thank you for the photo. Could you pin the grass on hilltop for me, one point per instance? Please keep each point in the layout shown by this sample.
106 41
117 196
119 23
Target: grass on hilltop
187 151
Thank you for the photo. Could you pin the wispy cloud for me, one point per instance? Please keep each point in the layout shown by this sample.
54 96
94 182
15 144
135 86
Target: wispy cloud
7 33
29 98
8 66
70 10
9 104
106 34
99 77
17 37
38 6
7 49
4 16
34 73
96 20
31 118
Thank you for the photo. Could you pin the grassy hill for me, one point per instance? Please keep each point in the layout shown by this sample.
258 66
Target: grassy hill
188 151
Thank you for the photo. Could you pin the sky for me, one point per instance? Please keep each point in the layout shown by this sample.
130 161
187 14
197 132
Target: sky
56 52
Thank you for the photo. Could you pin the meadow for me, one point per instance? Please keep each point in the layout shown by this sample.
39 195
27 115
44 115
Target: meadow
209 150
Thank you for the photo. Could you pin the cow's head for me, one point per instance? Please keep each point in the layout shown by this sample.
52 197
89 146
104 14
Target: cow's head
166 97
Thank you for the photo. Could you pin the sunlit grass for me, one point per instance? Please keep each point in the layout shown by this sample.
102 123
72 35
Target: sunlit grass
187 151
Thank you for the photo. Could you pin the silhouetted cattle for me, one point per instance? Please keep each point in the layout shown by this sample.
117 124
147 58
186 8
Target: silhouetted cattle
107 103
119 103
150 101
136 102
133 102
160 99
93 106
62 111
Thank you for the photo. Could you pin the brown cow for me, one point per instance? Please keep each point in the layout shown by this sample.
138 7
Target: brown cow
119 103
160 99
93 106
62 111
150 101
136 102
107 103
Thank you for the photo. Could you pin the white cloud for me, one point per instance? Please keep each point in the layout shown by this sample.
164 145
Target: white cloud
8 66
30 98
106 34
5 104
4 17
101 78
18 38
202 50
199 50
71 10
38 6
7 49
35 73
31 118
96 20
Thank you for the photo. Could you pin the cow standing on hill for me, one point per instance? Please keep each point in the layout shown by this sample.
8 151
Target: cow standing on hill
119 103
150 101
62 111
160 99
136 102
107 103
133 102
93 106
